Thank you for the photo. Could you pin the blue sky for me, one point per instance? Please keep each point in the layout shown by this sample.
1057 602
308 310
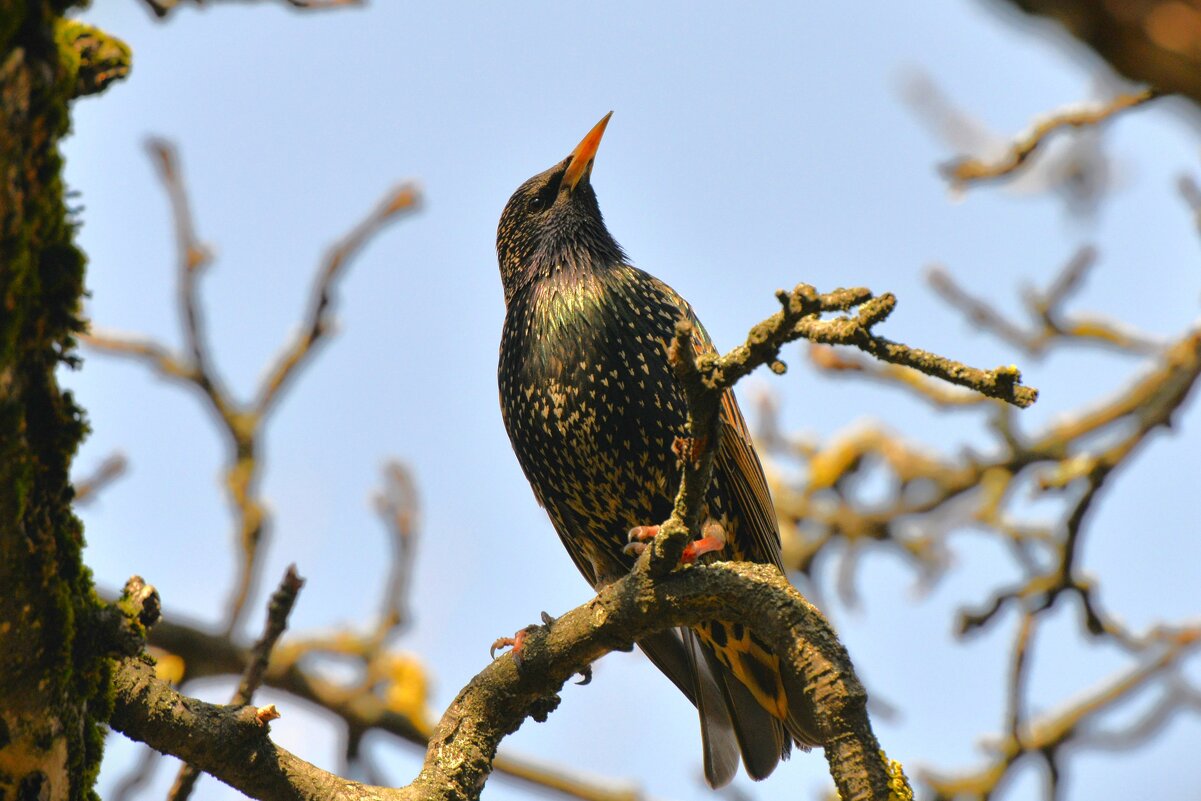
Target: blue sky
750 148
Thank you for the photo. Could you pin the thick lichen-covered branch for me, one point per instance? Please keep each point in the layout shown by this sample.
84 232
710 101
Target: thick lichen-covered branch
500 698
800 319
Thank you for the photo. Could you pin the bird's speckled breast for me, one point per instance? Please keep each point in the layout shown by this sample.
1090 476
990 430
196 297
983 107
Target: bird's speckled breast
586 400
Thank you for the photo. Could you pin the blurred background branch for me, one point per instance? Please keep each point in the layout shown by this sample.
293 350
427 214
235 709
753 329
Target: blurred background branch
241 425
163 8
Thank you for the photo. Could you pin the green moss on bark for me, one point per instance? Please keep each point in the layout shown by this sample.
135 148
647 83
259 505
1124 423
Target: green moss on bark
54 689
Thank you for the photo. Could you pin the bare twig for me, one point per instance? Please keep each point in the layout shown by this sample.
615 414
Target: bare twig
398 507
402 201
138 776
162 8
109 470
278 611
1018 674
966 170
1177 698
1050 325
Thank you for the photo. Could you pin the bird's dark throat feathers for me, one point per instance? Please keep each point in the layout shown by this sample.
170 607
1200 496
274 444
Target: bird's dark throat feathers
547 227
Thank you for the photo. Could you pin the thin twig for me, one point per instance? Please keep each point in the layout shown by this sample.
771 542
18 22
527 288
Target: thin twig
398 507
1050 324
280 607
162 8
109 470
138 776
967 169
1018 675
401 201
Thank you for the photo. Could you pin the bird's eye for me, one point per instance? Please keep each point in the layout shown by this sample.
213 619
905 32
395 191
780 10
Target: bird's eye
546 195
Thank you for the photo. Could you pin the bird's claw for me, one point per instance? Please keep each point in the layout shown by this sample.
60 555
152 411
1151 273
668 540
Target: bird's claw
689 449
517 641
713 538
639 537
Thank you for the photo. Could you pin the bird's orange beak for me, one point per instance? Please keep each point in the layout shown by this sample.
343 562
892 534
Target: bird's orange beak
585 151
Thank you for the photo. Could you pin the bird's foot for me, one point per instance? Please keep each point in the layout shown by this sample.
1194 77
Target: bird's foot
518 640
713 538
638 538
689 449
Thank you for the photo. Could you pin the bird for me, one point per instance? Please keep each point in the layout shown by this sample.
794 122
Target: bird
595 414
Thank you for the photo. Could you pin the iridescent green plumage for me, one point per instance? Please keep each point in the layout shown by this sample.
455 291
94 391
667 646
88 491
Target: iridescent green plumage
592 408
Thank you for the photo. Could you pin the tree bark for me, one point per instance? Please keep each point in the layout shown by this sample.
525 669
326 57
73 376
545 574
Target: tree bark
54 677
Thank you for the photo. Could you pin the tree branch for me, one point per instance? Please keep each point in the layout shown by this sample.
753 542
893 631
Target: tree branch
966 170
229 743
162 8
705 378
278 611
401 201
207 655
109 470
1050 324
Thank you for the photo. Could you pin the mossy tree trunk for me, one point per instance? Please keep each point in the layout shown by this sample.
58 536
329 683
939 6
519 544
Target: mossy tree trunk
53 671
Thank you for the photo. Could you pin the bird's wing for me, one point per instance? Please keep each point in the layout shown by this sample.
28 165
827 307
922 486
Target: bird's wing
758 534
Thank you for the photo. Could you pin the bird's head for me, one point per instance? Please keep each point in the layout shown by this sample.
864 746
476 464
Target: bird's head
553 221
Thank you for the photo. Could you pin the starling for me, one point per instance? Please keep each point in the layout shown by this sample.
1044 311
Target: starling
593 410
